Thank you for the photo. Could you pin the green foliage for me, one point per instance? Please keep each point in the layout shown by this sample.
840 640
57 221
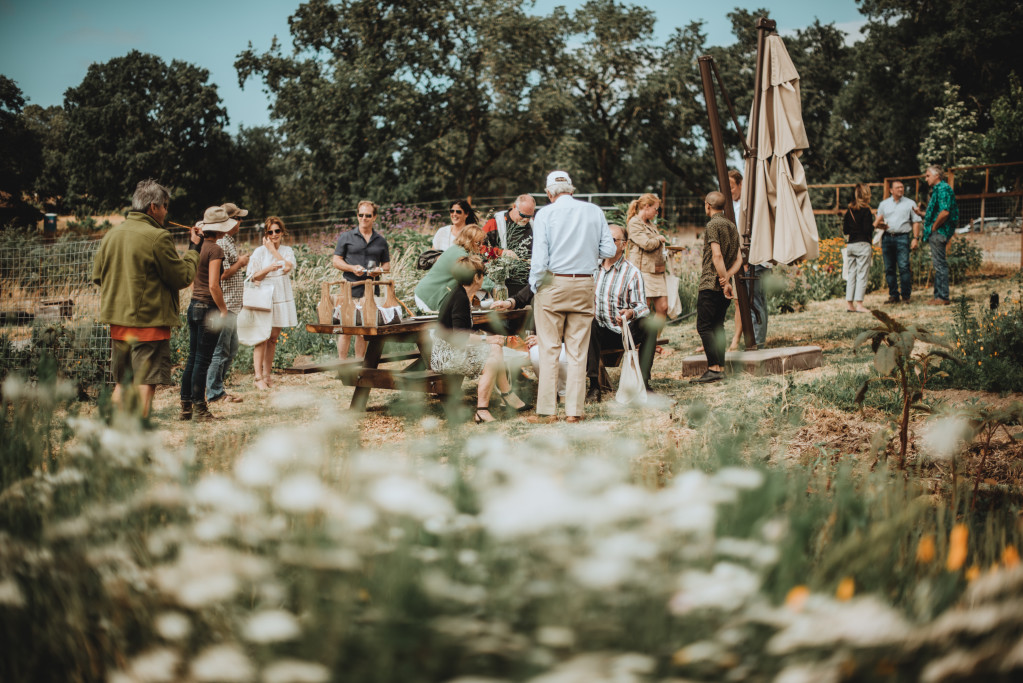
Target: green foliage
136 117
988 345
1004 142
952 138
893 344
21 161
842 390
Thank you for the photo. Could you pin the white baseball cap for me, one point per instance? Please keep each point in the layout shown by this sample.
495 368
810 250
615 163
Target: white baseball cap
557 177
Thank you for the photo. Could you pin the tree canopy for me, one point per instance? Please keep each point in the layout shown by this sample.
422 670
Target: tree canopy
434 100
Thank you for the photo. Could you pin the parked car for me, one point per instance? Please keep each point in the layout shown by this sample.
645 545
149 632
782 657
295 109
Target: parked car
988 222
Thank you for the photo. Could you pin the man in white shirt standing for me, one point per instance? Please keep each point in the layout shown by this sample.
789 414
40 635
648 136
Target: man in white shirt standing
901 225
570 237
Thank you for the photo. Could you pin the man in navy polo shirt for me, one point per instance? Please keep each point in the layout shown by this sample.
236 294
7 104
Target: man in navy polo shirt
360 251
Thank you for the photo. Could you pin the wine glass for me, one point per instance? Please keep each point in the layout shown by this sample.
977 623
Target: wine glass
371 267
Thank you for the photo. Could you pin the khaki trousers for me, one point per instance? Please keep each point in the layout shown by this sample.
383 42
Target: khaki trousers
563 310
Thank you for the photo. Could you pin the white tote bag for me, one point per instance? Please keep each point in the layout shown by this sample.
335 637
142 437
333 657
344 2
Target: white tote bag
674 302
254 326
631 388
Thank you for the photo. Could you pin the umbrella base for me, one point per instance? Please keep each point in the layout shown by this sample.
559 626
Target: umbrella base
761 362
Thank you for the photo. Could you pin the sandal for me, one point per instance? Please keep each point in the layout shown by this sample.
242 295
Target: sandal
504 397
478 418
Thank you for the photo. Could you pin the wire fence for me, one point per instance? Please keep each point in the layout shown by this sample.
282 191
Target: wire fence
47 300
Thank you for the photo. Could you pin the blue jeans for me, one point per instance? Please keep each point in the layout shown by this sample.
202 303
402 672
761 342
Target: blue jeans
223 355
895 251
201 342
939 243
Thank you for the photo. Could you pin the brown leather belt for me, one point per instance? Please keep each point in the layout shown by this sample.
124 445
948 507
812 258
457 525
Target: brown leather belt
573 274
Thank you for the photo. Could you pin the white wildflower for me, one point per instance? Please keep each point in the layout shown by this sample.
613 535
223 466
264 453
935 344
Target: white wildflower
220 492
531 505
156 666
406 496
430 424
956 665
295 671
213 528
299 493
425 554
13 387
726 587
700 651
467 557
440 587
862 622
10 592
760 554
200 592
256 471
559 637
942 437
272 626
809 673
293 400
173 626
739 478
222 664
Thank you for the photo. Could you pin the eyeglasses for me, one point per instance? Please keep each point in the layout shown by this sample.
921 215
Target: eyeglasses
365 215
619 240
457 211
275 231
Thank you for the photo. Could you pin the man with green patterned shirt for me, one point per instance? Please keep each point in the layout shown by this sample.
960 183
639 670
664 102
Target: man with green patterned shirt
940 222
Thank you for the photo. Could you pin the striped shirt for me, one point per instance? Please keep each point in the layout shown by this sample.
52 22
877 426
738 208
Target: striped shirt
619 287
234 286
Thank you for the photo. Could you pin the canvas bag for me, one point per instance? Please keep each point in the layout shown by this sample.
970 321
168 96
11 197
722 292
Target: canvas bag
258 296
674 302
631 387
254 326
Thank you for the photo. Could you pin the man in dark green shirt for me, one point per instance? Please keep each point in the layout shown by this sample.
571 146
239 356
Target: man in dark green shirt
720 248
940 222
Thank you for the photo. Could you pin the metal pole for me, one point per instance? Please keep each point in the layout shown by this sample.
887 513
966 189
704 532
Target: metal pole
722 171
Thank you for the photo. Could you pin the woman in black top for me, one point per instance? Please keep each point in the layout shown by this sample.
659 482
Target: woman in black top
457 351
858 225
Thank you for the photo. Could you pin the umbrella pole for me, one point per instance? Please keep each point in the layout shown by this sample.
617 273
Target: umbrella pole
717 142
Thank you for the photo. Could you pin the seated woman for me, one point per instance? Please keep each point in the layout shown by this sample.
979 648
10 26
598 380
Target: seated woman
457 351
440 281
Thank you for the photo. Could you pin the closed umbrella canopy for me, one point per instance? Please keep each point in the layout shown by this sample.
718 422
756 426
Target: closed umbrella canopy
784 229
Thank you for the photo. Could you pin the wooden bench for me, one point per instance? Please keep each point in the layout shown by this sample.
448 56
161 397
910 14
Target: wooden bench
338 364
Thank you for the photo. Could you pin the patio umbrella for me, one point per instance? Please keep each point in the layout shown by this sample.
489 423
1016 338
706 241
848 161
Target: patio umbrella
783 229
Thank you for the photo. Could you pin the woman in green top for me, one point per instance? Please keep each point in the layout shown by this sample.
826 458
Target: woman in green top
440 280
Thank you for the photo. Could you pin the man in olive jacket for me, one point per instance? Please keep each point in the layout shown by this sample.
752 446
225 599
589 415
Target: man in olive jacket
139 273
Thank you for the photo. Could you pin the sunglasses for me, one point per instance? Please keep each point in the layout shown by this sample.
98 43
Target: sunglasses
527 216
620 240
275 231
457 211
365 215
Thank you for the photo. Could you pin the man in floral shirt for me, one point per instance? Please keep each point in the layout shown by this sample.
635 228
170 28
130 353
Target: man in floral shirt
940 222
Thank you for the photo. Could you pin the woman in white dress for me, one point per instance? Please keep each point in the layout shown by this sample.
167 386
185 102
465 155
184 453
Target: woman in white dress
461 215
273 262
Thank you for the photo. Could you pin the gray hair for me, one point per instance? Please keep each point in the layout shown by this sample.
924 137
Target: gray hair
149 192
937 169
560 187
522 199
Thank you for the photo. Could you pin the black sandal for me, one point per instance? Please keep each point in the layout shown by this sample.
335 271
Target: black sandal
479 419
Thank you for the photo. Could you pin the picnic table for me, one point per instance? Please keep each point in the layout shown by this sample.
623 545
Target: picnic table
366 374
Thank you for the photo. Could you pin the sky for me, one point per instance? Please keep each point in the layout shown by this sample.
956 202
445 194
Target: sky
46 46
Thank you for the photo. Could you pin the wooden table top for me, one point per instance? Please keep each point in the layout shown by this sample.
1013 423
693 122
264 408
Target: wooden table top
412 326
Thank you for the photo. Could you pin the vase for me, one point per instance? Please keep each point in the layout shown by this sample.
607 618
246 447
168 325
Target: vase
500 292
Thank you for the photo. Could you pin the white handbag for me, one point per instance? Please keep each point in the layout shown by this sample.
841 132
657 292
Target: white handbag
254 326
631 387
258 296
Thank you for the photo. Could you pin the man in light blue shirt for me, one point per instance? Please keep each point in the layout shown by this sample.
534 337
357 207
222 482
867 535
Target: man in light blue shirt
570 237
896 215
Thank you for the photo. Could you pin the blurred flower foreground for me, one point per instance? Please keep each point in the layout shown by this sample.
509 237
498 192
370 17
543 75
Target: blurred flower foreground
454 558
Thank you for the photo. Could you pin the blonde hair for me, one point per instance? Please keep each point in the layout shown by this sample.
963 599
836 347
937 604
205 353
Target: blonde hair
861 197
274 220
642 202
469 236
468 268
366 202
